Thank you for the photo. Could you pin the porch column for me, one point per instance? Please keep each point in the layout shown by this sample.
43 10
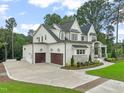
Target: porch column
106 52
100 51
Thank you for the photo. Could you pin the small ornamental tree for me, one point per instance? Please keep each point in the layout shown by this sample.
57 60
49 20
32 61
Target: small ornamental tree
90 59
114 54
72 61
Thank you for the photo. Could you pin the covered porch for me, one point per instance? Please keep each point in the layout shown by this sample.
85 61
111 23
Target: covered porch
99 50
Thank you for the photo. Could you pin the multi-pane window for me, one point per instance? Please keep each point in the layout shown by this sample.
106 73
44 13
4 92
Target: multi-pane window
82 38
38 38
80 51
93 38
62 36
41 38
45 37
74 37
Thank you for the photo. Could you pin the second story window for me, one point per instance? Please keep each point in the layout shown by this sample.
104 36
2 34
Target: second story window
45 37
41 38
74 37
94 38
62 36
82 38
38 38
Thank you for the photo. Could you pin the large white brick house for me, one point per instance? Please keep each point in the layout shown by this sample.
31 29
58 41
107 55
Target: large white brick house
60 42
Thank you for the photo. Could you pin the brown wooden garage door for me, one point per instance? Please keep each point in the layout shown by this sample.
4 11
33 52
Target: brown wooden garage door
40 57
57 58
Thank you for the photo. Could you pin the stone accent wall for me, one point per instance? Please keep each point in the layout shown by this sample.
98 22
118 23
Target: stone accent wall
80 58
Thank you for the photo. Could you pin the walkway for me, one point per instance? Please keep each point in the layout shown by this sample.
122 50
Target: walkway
90 85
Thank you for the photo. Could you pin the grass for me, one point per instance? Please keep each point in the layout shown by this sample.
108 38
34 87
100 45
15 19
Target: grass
115 71
21 87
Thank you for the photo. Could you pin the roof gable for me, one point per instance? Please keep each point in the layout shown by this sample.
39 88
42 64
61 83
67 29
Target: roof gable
67 26
48 30
85 28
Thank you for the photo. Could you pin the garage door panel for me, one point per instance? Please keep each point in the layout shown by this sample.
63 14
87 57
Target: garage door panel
57 58
40 57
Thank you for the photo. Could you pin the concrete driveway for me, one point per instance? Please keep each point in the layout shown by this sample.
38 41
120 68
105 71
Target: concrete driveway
49 74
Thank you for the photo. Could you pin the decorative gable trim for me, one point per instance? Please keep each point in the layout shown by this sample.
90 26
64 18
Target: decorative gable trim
49 31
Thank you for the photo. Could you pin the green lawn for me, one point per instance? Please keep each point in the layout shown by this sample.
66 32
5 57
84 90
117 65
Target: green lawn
115 71
21 87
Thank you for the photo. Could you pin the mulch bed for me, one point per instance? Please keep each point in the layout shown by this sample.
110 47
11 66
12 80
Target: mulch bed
4 78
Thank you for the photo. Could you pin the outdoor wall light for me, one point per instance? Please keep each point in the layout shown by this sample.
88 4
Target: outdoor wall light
51 49
58 50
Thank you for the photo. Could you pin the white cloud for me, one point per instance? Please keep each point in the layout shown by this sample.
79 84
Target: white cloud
69 13
22 13
24 28
55 8
72 4
29 26
42 3
3 8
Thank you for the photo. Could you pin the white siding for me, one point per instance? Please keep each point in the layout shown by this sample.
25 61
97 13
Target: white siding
43 32
56 32
77 27
27 53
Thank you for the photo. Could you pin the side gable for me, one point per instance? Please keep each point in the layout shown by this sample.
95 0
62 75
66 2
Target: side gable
43 35
76 26
92 30
85 28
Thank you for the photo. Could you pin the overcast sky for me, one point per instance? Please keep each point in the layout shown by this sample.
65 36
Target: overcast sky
30 13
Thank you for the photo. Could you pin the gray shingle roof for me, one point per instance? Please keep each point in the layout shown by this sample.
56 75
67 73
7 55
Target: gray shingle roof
85 28
67 26
52 34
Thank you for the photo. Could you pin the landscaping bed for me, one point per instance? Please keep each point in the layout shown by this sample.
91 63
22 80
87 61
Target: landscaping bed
82 66
115 71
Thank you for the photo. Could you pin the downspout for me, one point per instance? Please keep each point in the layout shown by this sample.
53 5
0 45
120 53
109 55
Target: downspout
65 52
32 51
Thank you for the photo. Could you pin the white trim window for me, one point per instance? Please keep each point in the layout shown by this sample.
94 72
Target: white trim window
82 38
74 37
80 51
62 36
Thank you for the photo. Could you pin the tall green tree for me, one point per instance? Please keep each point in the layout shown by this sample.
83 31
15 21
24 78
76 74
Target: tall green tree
118 15
10 24
49 19
67 18
96 12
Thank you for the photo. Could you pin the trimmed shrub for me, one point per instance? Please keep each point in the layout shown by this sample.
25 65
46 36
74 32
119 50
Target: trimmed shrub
72 61
78 64
90 59
110 59
114 54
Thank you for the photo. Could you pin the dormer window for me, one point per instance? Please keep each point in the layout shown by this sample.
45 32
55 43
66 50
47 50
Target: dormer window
94 38
74 37
82 38
62 36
